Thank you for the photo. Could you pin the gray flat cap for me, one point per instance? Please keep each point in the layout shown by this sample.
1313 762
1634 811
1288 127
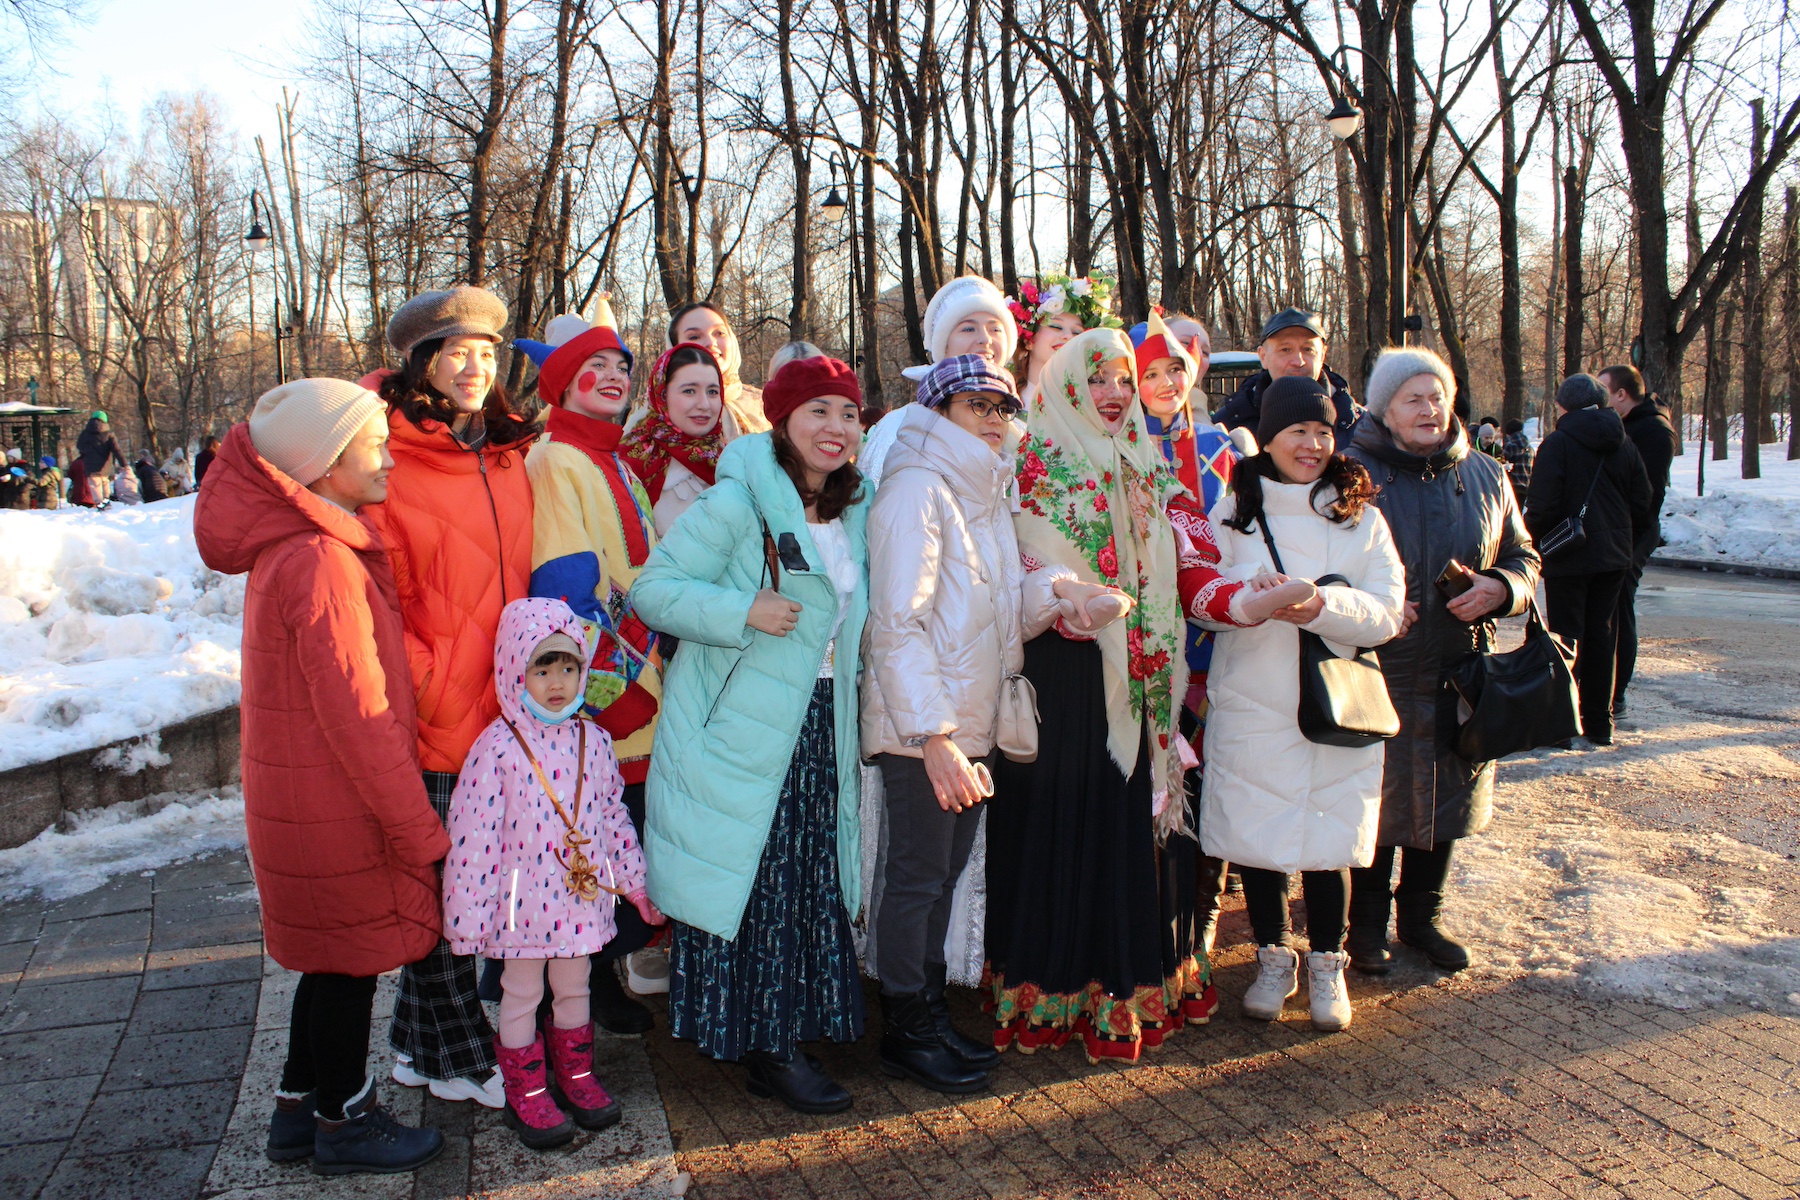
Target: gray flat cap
462 311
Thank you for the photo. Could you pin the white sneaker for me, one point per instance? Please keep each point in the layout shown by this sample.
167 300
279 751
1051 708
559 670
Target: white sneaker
1277 978
492 1094
1325 988
647 971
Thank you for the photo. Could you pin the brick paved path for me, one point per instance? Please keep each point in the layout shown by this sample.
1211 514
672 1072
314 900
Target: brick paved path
1440 1089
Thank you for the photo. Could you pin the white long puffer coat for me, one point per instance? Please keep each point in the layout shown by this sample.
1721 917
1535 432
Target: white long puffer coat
1271 798
950 606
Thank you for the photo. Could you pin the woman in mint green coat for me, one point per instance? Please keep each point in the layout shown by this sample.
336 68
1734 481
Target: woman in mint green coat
752 833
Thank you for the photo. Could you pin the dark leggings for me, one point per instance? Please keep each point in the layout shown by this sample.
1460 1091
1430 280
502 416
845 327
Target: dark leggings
1327 906
1422 872
328 1040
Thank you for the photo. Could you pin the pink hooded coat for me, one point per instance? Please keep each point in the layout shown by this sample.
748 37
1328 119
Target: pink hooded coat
504 894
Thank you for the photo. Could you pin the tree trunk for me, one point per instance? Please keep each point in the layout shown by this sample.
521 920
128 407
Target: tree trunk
1574 306
1009 119
1719 418
1790 312
1554 296
800 309
1755 404
487 135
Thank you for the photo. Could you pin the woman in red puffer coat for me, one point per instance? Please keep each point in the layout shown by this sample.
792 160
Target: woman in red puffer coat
342 838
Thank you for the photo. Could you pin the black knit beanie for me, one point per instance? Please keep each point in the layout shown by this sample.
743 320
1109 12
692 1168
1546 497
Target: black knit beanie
1293 400
1580 391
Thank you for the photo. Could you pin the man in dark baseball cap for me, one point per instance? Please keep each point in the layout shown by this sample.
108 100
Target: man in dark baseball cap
1292 344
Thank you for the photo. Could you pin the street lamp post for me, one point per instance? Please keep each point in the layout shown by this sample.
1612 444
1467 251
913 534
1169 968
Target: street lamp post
257 239
834 208
1344 119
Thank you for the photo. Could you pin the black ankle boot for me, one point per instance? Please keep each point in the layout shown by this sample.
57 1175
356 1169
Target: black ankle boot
1418 928
798 1081
613 1009
1367 939
966 1049
910 1048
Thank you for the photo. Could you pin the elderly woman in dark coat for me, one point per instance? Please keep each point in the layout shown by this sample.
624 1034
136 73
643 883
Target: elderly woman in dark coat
1468 561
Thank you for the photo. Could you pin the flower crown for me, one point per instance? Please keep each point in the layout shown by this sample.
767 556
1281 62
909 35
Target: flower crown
1088 298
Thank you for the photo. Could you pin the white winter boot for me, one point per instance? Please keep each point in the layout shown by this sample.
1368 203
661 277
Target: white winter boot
1277 978
1325 988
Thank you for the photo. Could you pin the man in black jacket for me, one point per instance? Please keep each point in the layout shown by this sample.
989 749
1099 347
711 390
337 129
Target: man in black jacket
1292 343
1647 425
1588 468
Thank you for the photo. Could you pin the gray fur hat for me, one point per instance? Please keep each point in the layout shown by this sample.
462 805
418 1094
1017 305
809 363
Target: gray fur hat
1395 366
1580 391
462 311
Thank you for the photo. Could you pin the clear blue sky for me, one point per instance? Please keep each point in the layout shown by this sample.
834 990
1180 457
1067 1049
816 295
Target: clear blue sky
127 51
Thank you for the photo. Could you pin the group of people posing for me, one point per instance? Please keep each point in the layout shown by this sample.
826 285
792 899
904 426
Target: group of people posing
604 695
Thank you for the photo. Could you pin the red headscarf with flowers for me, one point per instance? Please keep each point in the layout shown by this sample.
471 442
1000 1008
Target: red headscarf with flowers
656 441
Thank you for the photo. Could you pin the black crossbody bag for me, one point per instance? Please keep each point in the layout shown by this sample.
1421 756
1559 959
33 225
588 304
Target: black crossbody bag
1343 701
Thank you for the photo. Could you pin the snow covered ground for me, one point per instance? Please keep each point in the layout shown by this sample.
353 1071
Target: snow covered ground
1664 867
1754 522
110 627
139 835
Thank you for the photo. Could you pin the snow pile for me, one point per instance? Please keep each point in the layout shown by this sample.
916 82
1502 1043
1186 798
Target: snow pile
1752 522
110 628
139 835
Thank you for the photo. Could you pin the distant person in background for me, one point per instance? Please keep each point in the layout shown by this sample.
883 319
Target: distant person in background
1588 468
209 449
149 477
1292 345
15 481
96 452
1647 425
124 489
47 485
1519 453
177 474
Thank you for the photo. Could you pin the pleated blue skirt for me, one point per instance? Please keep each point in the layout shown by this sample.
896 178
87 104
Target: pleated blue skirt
790 975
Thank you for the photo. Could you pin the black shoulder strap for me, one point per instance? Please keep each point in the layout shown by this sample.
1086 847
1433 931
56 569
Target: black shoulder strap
1599 470
1262 522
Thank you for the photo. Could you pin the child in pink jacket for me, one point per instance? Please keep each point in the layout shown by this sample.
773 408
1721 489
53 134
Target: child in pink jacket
542 848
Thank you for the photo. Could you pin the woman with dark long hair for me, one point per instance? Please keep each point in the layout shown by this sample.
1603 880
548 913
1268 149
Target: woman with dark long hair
1274 802
753 827
700 323
457 524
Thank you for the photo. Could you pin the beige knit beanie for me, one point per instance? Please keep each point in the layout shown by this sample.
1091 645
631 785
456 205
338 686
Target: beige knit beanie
302 427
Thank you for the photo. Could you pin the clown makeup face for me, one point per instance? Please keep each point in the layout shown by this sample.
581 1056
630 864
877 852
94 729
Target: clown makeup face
695 398
977 333
601 388
1164 387
1111 387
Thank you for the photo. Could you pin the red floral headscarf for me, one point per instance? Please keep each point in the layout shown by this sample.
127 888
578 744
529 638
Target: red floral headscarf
656 441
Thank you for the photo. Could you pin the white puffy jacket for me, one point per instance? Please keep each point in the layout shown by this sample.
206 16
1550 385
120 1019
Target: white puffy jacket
950 606
1271 798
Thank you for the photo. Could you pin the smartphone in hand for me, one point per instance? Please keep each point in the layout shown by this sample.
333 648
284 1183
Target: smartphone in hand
1454 580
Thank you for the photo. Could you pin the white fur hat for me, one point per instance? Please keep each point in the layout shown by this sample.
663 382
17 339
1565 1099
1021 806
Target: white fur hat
302 427
962 297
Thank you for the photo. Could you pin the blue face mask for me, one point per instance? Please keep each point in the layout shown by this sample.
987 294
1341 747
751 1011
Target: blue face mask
557 716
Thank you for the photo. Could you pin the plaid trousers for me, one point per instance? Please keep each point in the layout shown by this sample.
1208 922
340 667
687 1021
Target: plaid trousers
438 1020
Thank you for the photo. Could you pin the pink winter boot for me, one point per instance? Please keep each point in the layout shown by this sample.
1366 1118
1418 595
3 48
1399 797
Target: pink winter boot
575 1088
530 1110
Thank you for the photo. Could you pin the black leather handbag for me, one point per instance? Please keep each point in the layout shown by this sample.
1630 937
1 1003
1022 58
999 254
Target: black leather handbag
1571 532
1519 700
1343 701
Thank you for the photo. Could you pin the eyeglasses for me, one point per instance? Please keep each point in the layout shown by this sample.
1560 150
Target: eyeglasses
983 409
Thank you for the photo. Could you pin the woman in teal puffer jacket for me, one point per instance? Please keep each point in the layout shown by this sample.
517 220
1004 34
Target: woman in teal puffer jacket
752 833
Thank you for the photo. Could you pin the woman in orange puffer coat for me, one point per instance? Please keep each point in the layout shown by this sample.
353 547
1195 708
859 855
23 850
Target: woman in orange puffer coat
342 839
458 528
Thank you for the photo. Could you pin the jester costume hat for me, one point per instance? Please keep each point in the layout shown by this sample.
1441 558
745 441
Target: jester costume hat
569 342
1095 501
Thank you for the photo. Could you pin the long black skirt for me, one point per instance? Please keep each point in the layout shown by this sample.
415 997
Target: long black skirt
790 975
1082 936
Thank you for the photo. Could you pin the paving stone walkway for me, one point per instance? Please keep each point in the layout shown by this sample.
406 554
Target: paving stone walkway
142 1032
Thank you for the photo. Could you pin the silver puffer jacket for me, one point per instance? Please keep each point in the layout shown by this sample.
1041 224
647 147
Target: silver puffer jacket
950 605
